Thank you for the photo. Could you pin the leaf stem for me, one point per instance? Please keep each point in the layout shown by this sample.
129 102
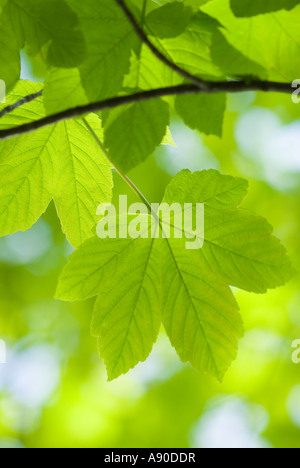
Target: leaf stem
126 179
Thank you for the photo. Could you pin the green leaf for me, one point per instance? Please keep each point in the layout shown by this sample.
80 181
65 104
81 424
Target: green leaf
136 132
239 246
257 7
232 62
209 187
168 139
49 28
257 38
190 50
83 181
139 77
127 320
200 314
170 20
61 161
109 38
202 112
10 63
141 281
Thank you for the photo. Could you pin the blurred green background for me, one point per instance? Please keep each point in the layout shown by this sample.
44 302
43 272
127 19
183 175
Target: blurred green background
53 389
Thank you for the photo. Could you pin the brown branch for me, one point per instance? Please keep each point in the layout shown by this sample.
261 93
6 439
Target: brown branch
197 86
211 88
21 102
186 75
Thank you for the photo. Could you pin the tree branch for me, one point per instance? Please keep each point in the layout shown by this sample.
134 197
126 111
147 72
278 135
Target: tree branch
186 75
210 88
197 86
21 102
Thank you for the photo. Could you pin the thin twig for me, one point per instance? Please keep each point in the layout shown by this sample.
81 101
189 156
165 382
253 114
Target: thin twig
21 102
197 86
186 75
212 87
